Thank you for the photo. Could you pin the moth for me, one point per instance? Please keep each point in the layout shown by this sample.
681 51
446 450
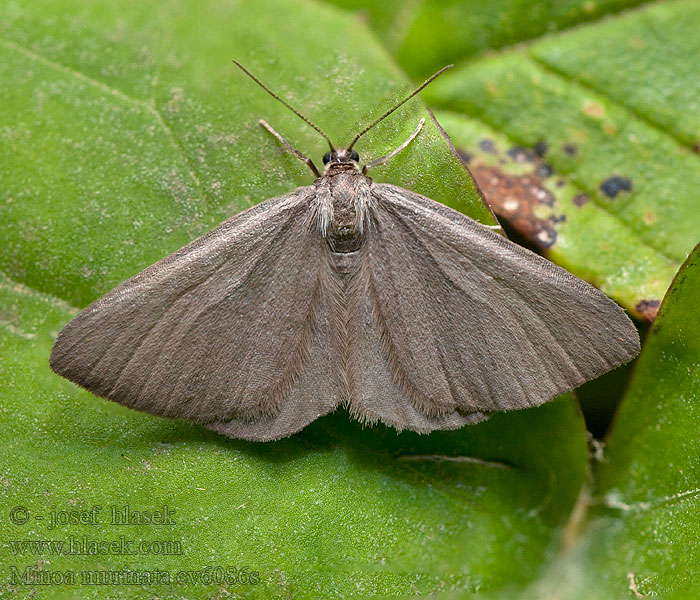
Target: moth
344 292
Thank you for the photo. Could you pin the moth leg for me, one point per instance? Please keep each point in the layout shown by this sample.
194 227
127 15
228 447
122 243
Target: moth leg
382 159
291 148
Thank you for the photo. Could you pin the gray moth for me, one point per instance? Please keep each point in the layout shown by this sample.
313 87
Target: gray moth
344 292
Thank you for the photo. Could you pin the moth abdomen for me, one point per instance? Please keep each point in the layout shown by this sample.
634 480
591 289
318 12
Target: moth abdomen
344 238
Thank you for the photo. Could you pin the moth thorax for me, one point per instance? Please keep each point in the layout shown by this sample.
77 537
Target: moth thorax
344 235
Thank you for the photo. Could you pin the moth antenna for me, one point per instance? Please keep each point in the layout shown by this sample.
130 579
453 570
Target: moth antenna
289 106
406 99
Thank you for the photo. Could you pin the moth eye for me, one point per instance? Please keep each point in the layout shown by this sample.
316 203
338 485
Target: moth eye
326 158
355 156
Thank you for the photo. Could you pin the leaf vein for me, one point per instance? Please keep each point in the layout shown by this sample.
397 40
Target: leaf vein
112 91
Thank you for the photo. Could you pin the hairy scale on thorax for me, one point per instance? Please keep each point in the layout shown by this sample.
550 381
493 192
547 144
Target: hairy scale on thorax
343 198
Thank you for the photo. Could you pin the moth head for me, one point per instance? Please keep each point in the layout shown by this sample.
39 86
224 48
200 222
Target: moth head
341 156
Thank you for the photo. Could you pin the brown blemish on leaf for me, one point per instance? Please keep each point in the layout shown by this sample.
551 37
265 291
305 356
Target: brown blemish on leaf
593 109
649 217
514 198
648 309
610 128
570 149
543 171
580 199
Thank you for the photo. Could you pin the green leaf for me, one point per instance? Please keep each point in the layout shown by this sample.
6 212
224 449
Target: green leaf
426 33
126 132
642 524
649 483
125 138
649 68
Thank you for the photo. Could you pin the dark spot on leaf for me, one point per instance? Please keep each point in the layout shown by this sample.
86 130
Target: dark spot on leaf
612 186
514 198
540 149
560 183
465 156
543 171
521 155
488 146
570 149
648 309
696 148
580 199
545 197
557 219
679 282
